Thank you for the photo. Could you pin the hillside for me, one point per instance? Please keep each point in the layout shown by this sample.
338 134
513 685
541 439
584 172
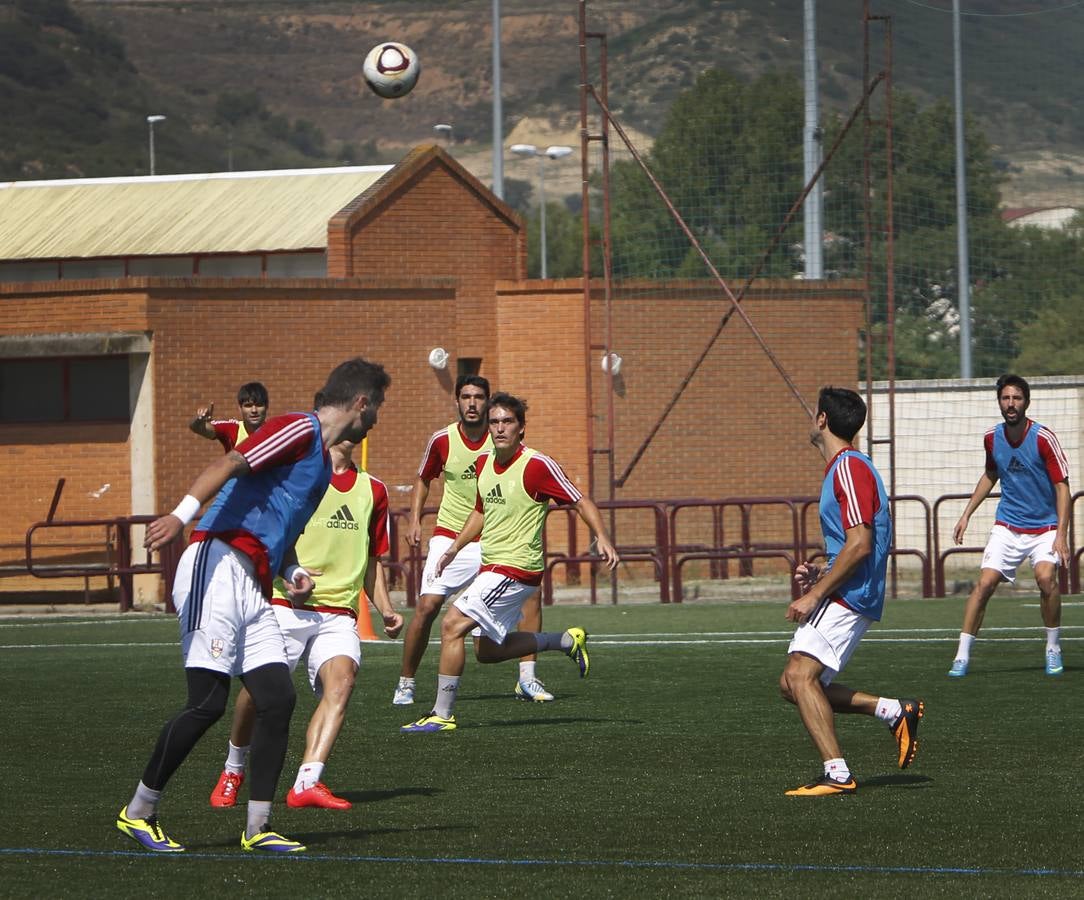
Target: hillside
256 84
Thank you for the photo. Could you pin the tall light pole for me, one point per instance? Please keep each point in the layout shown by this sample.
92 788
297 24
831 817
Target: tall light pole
498 115
556 152
963 266
151 120
813 208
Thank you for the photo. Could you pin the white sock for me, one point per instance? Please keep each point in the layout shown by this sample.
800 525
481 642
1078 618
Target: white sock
964 650
1053 638
259 811
308 775
836 769
526 670
888 710
236 758
447 689
144 802
405 682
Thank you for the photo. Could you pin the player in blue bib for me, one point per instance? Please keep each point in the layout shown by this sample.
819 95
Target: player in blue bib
265 491
841 599
1032 519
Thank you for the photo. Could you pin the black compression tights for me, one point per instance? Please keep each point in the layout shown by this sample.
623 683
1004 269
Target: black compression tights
207 695
273 695
272 691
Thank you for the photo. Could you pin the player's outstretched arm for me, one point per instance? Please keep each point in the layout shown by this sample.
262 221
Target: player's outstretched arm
590 514
981 492
208 483
201 425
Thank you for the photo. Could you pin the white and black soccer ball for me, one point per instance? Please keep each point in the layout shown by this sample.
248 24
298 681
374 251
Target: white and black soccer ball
391 70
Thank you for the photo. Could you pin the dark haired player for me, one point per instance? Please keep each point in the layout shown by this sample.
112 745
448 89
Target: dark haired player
514 488
252 401
1032 518
843 598
264 490
451 454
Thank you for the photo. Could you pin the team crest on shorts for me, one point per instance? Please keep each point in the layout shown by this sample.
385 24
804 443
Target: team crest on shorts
217 646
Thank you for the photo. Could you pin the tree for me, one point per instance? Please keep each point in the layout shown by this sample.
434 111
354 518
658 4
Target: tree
729 156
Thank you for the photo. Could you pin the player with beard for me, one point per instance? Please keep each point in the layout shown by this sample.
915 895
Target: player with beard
1032 518
264 491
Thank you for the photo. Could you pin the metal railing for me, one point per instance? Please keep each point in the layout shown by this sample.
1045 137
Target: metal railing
115 562
669 547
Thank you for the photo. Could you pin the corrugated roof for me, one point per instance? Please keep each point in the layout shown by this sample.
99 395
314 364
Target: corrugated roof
235 212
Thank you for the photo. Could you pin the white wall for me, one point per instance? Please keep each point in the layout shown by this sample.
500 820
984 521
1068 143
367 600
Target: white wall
939 431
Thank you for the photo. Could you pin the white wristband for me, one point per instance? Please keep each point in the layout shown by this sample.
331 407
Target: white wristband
186 510
291 573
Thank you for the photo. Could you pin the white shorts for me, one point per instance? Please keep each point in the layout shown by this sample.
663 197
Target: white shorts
323 635
226 624
1006 549
458 575
495 602
830 636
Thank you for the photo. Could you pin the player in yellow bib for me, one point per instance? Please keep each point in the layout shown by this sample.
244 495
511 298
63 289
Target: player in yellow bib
515 487
340 547
252 401
451 455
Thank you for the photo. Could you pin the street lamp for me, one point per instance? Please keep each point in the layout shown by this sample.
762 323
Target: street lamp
557 152
445 131
150 127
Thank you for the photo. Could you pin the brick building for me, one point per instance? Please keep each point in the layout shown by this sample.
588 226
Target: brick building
126 304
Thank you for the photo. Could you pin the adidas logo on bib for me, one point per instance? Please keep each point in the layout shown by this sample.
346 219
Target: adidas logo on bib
495 495
470 473
342 519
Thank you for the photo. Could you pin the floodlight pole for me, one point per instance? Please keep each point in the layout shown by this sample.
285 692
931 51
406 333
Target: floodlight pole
498 125
151 120
813 208
963 263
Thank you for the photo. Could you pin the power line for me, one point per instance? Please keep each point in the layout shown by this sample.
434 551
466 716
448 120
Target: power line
1016 15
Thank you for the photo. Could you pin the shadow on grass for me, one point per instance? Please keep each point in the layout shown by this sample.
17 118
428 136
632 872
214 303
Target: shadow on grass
901 781
510 695
551 720
381 796
314 839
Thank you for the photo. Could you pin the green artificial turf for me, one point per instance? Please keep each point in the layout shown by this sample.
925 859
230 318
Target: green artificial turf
663 773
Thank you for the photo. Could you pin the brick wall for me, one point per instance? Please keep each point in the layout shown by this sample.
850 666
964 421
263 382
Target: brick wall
290 339
430 217
88 456
737 429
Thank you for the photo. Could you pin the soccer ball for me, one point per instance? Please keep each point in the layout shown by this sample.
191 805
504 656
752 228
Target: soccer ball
391 70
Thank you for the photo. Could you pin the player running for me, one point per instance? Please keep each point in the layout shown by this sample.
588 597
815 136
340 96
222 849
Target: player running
514 488
340 546
1032 518
267 488
452 453
842 599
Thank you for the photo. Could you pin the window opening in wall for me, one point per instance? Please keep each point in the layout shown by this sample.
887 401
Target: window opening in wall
468 365
75 389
